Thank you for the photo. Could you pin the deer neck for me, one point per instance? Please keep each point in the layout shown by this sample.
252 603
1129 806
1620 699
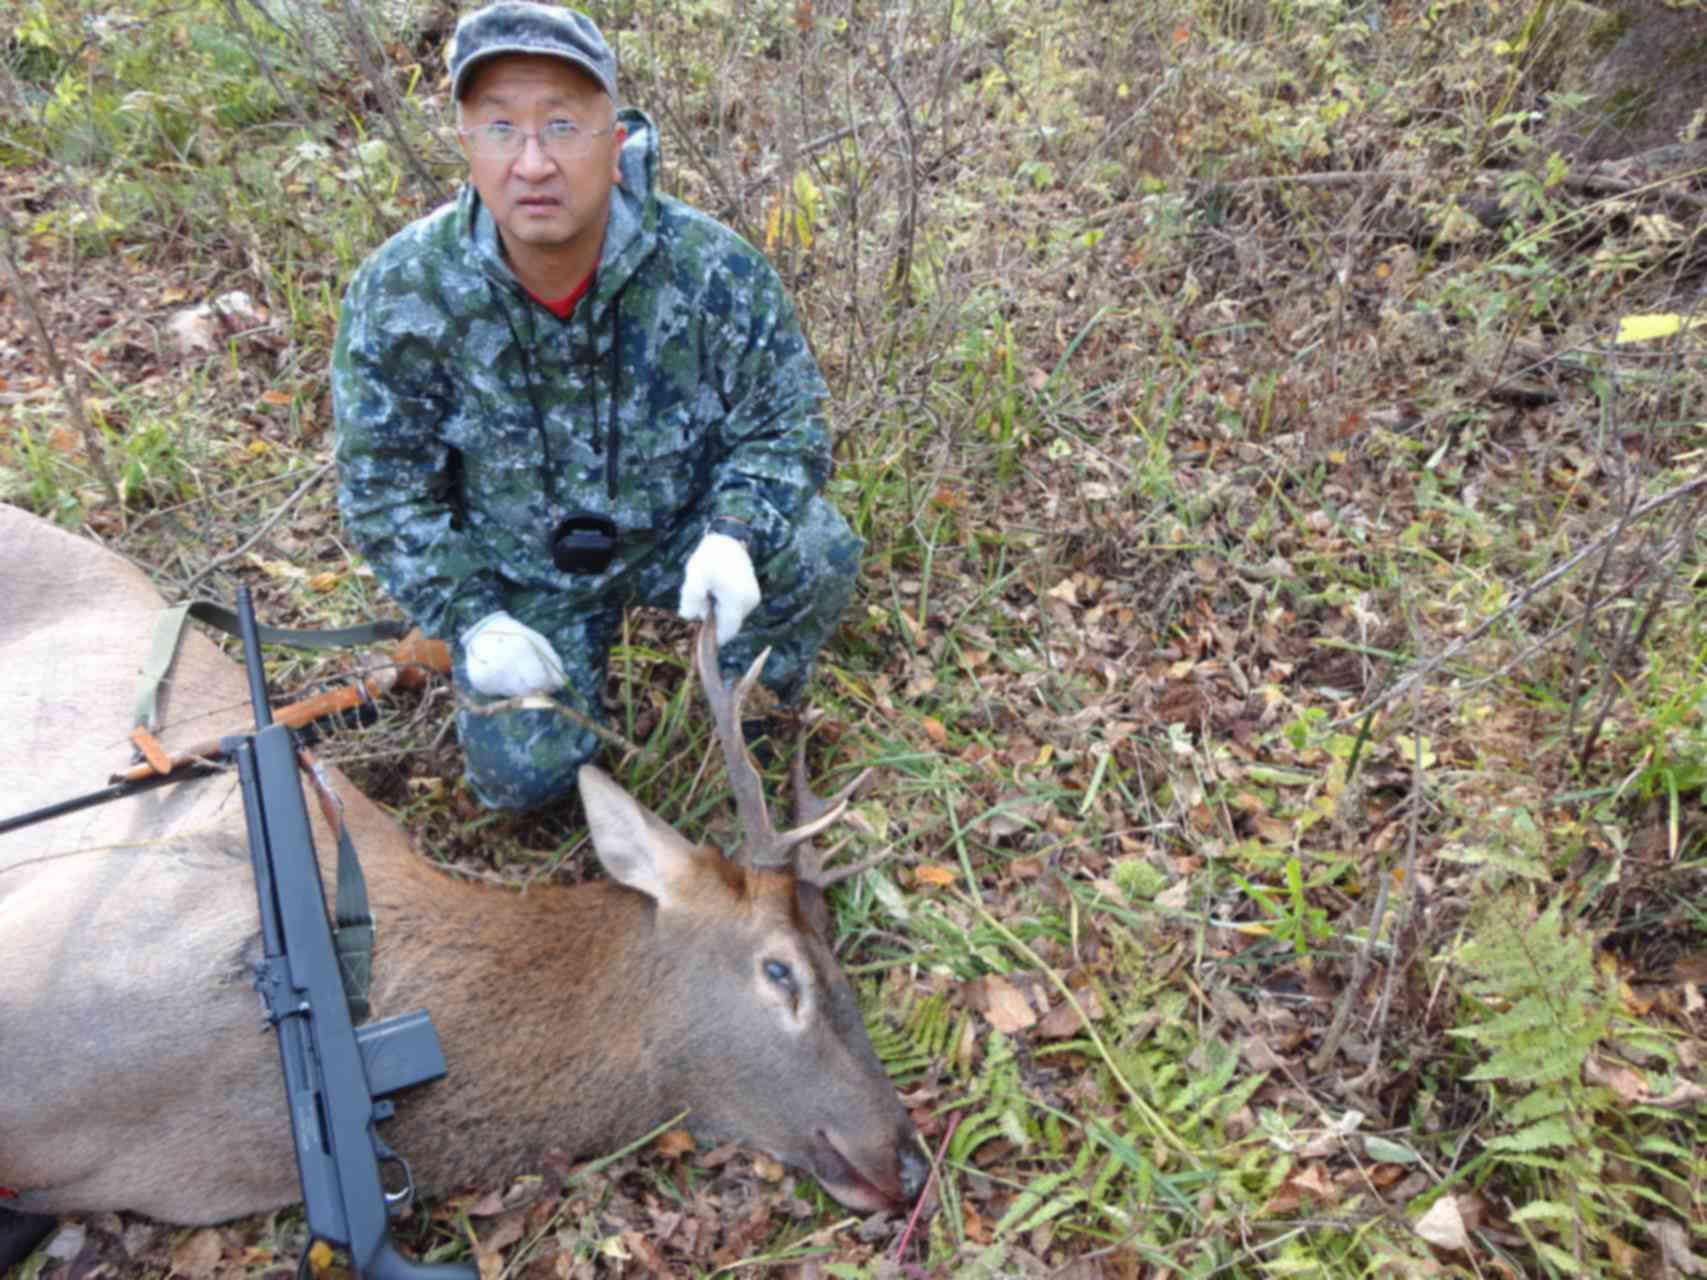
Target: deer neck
542 1004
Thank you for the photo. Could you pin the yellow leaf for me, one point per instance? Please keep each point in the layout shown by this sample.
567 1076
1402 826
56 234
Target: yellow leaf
934 873
324 581
279 569
1408 749
1645 328
320 1256
612 1247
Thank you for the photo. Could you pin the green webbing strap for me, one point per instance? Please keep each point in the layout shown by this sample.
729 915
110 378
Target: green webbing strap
170 628
217 615
166 632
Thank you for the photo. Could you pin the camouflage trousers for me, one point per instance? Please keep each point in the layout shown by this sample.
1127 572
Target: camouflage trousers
525 758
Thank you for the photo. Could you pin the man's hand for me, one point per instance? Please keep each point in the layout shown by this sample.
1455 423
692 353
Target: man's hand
720 569
508 660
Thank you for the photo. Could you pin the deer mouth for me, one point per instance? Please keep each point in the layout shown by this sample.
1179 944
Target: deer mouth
854 1187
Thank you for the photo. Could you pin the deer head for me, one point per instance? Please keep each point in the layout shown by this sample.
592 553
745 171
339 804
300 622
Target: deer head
767 1028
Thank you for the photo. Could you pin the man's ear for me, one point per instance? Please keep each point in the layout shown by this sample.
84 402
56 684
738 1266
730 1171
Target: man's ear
617 136
456 129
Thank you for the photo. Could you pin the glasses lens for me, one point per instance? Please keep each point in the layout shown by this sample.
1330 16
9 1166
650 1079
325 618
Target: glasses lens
561 138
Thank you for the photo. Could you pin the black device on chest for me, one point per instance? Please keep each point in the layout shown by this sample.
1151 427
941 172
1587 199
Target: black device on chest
584 543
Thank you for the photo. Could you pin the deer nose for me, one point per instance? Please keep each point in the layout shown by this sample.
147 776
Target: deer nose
914 1167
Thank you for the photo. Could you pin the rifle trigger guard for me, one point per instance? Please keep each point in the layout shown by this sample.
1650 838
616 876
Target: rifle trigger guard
399 1200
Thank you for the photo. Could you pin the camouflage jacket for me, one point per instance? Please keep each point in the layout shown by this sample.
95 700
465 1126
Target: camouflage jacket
471 420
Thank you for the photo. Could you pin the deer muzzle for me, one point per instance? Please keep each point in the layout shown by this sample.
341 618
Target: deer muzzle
870 1181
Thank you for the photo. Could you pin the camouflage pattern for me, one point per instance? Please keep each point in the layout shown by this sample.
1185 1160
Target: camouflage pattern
521 759
471 421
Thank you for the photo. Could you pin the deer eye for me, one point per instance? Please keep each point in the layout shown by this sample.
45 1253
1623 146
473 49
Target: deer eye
783 976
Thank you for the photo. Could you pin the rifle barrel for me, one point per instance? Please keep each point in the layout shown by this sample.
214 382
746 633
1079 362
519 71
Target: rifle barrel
252 645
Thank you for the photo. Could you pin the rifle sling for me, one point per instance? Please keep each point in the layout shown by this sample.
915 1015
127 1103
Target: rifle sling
170 628
353 932
352 922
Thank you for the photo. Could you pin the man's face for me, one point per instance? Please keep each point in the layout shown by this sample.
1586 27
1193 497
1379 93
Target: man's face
547 203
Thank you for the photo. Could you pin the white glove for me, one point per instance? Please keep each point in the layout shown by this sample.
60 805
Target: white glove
507 659
720 569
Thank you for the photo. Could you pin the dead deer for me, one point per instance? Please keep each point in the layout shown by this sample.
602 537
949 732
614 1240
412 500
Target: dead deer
134 1069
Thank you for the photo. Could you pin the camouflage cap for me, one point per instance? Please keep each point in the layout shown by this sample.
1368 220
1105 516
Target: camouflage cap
515 26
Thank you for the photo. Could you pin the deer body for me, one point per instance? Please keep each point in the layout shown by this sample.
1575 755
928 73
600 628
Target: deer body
135 1069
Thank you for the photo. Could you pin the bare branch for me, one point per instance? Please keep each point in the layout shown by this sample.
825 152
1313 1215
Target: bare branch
70 381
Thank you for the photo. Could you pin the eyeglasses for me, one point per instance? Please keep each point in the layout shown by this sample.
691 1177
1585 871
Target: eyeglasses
559 139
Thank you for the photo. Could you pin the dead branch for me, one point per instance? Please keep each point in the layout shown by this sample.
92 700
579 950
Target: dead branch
70 380
1529 592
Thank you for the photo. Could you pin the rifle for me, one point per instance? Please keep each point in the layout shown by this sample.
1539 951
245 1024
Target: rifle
337 1078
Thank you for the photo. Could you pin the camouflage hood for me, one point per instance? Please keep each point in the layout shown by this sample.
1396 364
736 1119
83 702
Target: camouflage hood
471 420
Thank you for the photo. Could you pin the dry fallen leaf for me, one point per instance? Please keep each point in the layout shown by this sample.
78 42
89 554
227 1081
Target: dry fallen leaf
198 1254
915 631
1674 1243
1060 1022
1001 1002
677 1142
1684 1094
1443 1226
1627 1083
1259 1055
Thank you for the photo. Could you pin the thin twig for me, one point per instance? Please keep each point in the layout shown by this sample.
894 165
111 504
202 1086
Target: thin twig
1324 1057
65 376
540 702
1406 912
936 1176
1404 685
1630 642
901 281
282 510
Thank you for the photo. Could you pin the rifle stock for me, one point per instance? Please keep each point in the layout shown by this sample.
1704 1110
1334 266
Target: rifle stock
329 1067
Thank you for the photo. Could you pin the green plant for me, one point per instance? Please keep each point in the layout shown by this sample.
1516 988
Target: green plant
38 478
1541 1008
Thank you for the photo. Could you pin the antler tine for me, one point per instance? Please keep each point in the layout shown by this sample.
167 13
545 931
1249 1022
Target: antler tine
763 845
814 813
760 846
811 811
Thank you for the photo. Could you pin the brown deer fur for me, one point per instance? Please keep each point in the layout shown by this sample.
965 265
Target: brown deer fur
135 1070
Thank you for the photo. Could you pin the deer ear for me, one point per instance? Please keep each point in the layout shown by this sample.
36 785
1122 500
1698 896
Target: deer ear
636 846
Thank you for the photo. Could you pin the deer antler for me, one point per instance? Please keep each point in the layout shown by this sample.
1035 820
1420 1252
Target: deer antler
762 844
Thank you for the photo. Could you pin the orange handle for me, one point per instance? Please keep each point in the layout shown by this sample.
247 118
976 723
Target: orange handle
416 658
